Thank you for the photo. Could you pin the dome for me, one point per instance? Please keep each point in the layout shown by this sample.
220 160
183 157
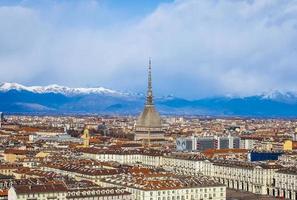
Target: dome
149 118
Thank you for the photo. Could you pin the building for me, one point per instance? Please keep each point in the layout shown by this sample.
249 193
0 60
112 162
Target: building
285 184
40 192
164 186
185 144
246 143
186 164
288 159
195 143
290 145
86 138
8 168
149 126
247 176
228 142
80 172
61 192
124 156
263 156
203 143
13 155
99 193
239 154
55 138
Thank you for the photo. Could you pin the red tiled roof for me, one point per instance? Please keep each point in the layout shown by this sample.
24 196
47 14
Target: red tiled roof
46 188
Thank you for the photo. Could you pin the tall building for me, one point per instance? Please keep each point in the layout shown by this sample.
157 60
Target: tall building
149 126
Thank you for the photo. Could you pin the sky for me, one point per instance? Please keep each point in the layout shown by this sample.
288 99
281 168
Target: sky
199 48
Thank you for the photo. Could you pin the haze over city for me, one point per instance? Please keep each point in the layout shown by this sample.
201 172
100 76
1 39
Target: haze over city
198 48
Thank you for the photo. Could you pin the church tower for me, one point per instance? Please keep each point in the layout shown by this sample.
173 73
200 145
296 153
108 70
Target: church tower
86 138
148 125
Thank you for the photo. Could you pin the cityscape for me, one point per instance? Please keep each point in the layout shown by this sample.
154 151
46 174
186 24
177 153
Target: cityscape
206 139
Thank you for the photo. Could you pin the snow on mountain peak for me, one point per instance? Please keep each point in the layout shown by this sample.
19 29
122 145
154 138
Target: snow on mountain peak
276 94
54 88
11 86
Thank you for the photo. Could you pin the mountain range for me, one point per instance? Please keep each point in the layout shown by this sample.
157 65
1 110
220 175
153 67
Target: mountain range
55 99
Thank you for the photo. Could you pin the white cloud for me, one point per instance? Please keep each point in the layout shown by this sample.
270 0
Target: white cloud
199 48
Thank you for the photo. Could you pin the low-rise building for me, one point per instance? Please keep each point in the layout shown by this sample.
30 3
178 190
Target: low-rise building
187 164
59 191
247 176
290 145
40 192
168 187
79 172
8 168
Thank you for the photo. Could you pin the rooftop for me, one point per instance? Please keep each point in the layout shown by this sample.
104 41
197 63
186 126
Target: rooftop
245 164
44 188
160 181
291 170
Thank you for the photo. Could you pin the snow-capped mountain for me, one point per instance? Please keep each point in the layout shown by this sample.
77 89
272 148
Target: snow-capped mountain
4 87
282 96
55 99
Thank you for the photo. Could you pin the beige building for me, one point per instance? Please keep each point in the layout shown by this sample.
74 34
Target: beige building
8 168
168 187
143 156
13 155
79 173
60 192
40 192
251 177
258 178
285 184
186 164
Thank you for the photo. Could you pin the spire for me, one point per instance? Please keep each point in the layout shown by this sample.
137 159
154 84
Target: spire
149 98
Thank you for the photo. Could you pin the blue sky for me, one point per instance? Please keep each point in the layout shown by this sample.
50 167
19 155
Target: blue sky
199 48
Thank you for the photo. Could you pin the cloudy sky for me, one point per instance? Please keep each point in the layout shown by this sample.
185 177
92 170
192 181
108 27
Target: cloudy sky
199 48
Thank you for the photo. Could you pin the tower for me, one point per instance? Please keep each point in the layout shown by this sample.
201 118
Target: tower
148 125
86 138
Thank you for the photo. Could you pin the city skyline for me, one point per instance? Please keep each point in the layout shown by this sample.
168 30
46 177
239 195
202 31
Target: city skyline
148 99
198 48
